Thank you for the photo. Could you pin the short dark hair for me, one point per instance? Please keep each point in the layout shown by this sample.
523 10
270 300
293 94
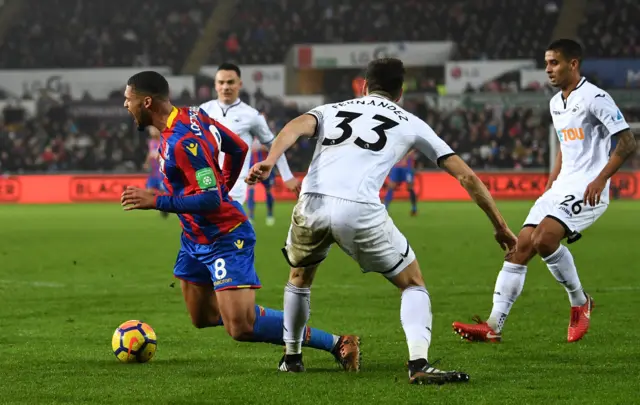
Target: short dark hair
385 75
150 83
569 48
230 66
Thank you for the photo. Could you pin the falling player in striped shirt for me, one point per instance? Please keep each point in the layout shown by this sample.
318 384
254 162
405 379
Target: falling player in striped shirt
215 263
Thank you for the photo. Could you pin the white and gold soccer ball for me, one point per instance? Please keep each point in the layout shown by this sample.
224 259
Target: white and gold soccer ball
134 342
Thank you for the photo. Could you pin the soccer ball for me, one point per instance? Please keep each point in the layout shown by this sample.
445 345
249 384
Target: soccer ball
134 342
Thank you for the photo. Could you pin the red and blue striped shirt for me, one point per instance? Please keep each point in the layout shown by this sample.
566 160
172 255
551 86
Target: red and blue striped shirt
198 187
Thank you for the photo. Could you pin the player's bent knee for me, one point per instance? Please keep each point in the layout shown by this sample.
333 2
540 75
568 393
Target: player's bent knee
302 277
201 323
240 330
411 276
545 243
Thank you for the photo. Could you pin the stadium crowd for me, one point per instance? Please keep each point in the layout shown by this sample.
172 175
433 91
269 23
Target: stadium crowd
490 138
263 30
610 28
78 33
97 34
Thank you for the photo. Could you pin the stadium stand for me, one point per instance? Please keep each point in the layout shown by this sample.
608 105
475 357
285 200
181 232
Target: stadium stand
99 34
515 138
77 33
263 30
610 29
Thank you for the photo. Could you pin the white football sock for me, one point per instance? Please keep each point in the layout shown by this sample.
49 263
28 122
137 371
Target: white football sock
297 307
560 264
507 290
415 316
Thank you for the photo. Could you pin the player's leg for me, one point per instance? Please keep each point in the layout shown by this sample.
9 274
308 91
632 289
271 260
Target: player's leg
201 303
268 183
308 244
197 290
199 295
412 192
508 287
416 319
380 247
547 242
230 264
251 202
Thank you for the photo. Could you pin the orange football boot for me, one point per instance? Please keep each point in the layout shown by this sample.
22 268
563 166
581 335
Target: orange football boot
478 332
580 317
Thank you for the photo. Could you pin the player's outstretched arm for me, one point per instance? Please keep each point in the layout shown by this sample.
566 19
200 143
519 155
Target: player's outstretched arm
304 125
456 167
555 171
625 148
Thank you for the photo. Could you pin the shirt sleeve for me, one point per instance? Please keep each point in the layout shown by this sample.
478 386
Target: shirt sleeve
607 112
430 144
234 148
318 114
201 191
260 129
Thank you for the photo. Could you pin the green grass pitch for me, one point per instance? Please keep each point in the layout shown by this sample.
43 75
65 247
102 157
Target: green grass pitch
69 275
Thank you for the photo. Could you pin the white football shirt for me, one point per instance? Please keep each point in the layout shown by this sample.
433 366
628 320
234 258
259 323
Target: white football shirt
359 141
584 123
248 124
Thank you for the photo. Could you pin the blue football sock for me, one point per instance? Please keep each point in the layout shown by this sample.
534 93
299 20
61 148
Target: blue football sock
388 197
319 339
268 329
412 197
264 311
270 201
251 202
269 324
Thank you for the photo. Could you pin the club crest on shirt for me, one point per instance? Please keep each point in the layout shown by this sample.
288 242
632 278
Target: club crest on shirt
575 109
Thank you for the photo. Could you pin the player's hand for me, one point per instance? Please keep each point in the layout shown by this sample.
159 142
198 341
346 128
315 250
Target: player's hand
506 239
260 171
594 191
134 198
293 184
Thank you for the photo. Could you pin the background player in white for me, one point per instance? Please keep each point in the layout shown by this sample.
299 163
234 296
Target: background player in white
245 121
359 141
585 118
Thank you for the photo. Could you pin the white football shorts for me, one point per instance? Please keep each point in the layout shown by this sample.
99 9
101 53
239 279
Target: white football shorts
568 209
364 231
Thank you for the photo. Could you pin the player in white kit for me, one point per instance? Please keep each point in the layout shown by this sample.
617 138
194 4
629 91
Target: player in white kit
359 141
585 118
246 122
